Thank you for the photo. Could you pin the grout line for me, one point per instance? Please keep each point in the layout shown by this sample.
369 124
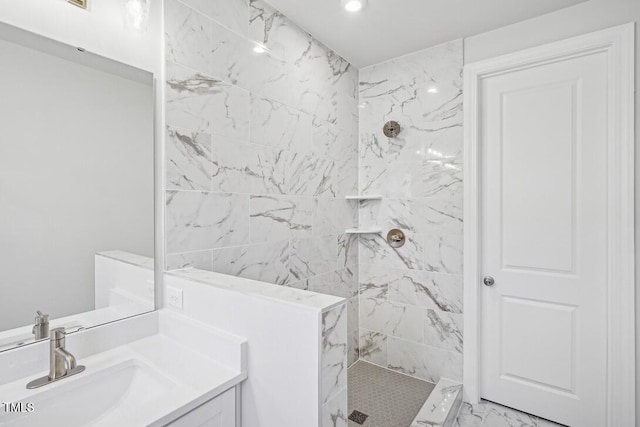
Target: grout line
391 370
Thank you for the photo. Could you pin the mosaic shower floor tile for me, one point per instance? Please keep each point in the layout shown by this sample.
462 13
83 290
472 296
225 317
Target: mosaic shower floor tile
388 398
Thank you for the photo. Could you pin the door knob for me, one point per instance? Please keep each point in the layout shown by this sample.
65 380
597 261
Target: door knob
488 281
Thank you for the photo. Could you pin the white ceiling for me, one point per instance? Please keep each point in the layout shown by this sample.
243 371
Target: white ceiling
386 29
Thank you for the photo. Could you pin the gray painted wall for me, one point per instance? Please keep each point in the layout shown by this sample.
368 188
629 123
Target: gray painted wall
76 177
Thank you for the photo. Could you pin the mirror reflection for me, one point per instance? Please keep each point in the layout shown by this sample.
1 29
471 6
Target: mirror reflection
76 188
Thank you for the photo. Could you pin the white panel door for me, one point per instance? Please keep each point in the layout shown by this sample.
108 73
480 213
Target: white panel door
543 339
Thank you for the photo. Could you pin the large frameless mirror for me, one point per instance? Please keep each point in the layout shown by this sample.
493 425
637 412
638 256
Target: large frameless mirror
76 188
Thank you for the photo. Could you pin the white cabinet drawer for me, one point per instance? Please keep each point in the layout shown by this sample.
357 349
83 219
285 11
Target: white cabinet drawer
218 412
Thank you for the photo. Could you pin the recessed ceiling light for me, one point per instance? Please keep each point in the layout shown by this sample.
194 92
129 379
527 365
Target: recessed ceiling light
258 49
433 89
353 5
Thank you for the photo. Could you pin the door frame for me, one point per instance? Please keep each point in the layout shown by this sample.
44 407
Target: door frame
618 44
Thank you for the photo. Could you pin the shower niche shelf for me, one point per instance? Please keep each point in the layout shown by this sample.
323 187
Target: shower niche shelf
371 230
371 197
364 230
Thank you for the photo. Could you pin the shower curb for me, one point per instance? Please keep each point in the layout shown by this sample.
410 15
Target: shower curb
442 407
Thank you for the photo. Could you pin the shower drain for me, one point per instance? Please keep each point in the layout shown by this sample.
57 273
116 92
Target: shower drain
358 417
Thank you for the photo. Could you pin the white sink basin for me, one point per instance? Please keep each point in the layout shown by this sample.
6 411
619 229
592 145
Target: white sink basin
108 397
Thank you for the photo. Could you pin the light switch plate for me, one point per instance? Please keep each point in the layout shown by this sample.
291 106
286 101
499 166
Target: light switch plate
174 297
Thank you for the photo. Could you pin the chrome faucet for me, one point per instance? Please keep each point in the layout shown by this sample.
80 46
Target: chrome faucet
62 364
41 327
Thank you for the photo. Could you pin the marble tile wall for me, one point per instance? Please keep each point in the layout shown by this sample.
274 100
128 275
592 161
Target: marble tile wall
411 297
334 362
261 148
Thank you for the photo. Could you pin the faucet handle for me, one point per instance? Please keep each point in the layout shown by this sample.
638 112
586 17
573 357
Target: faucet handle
41 318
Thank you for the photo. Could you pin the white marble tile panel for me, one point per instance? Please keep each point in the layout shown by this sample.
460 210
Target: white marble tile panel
423 361
440 215
198 220
275 217
374 249
398 213
341 283
203 6
443 330
443 252
334 352
424 289
312 256
334 215
187 36
233 14
248 168
310 175
202 103
374 81
348 250
347 178
334 412
329 140
278 125
373 347
389 318
276 32
319 72
374 281
266 262
354 347
232 56
198 259
188 160
442 165
390 178
353 321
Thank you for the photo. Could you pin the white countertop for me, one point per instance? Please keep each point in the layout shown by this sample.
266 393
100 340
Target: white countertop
190 374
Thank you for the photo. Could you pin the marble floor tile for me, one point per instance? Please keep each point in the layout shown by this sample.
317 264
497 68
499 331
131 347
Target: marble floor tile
388 398
470 415
489 414
500 416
